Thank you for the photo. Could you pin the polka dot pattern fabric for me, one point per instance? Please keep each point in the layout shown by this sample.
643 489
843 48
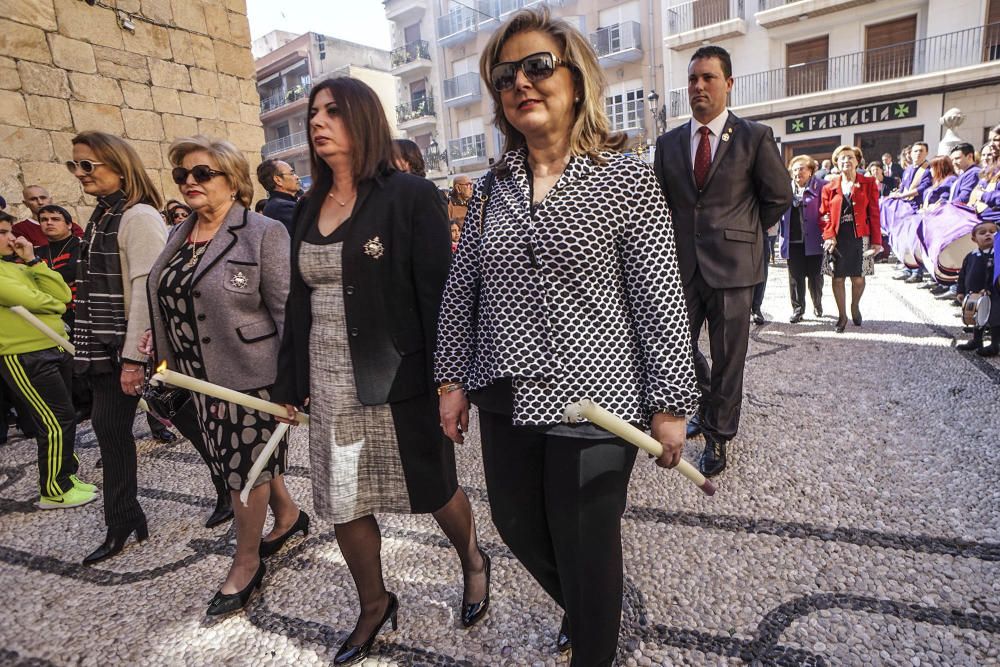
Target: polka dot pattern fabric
580 298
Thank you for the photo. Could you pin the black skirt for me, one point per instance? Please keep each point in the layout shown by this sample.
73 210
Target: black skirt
850 247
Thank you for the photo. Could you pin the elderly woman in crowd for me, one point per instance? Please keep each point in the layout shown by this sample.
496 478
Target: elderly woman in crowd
218 292
849 218
125 235
369 259
175 212
802 238
565 286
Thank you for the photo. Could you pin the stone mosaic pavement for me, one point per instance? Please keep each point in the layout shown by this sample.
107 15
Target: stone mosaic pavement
858 524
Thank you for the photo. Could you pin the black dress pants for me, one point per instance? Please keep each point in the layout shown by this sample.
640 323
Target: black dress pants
112 416
803 268
41 381
557 502
721 383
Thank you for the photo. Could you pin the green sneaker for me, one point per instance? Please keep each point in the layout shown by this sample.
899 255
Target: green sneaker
72 498
83 486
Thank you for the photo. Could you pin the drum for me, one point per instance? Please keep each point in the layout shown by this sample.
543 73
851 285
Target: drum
976 310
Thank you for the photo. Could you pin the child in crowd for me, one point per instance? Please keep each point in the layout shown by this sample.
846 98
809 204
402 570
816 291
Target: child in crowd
977 276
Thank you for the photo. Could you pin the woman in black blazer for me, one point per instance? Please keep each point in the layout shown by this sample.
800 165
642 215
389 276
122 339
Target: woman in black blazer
370 255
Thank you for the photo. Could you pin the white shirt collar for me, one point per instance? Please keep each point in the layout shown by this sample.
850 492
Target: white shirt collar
716 125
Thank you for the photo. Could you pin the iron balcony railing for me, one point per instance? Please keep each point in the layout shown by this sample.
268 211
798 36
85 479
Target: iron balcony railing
467 17
467 148
417 108
285 96
511 6
463 85
293 140
939 53
702 13
617 38
410 53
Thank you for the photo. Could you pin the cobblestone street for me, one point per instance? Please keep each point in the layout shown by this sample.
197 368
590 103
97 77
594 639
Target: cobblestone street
858 523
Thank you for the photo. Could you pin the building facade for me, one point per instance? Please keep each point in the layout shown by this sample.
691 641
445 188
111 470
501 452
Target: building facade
877 74
287 66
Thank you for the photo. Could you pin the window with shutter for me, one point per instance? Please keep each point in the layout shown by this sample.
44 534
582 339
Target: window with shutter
889 49
807 64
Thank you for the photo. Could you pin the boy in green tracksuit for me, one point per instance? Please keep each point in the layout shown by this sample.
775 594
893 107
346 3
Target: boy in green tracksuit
38 371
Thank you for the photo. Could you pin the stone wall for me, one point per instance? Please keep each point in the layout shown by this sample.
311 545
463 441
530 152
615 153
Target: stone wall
67 66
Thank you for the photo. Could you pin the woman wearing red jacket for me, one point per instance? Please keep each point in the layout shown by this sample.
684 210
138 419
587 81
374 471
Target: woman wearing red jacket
849 218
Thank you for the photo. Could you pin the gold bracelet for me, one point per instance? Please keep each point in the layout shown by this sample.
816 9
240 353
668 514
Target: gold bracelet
449 387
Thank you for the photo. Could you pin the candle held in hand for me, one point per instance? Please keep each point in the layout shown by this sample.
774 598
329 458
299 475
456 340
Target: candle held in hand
258 465
44 328
587 409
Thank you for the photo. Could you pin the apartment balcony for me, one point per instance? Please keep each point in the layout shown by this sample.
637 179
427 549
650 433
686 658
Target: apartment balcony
416 115
618 43
507 7
460 25
404 12
467 151
462 90
285 145
772 13
700 21
413 59
907 68
285 97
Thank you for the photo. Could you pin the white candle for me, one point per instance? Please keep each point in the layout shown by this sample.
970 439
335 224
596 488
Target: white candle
165 376
258 465
44 328
587 409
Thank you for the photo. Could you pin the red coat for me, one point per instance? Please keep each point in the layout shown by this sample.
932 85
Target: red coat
866 213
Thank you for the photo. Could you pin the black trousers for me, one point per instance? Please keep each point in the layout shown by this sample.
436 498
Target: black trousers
42 382
557 502
187 423
758 290
721 383
803 268
112 416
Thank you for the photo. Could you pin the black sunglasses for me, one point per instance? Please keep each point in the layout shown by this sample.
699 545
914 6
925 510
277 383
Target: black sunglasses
202 173
86 166
536 67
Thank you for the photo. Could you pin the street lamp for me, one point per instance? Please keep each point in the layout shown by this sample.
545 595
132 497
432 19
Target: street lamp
658 113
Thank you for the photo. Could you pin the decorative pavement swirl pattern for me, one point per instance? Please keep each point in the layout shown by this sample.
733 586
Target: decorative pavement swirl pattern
858 524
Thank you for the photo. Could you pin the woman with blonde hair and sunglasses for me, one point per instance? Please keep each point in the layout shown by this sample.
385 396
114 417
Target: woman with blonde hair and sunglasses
125 235
565 286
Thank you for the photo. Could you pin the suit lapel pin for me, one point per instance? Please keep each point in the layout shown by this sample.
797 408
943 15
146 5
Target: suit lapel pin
725 135
239 281
374 248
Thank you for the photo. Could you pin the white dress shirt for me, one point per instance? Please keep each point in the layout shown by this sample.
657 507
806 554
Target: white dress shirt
716 126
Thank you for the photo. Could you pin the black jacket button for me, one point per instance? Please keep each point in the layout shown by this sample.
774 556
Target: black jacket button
201 317
196 294
354 332
206 339
349 289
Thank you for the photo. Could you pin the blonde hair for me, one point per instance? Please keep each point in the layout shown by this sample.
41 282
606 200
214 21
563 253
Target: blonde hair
230 159
810 163
121 158
859 156
591 132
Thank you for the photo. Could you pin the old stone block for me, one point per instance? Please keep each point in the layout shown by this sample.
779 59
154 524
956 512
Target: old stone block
217 20
154 175
23 42
250 114
229 87
235 60
248 92
149 152
165 100
43 80
204 82
191 49
238 6
229 110
129 6
95 88
39 13
104 117
24 143
175 126
97 25
137 95
148 40
157 10
239 28
199 106
9 78
10 186
62 145
169 75
12 109
142 125
215 129
120 64
72 54
246 137
189 15
49 113
61 184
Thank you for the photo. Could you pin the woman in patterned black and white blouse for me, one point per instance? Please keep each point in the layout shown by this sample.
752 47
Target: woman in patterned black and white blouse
565 286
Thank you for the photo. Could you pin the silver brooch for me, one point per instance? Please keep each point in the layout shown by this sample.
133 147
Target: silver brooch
239 281
374 248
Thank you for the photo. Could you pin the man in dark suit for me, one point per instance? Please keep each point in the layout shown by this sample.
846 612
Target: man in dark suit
282 185
725 184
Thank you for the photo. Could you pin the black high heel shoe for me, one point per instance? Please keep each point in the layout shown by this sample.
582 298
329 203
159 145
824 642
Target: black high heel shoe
115 541
474 612
223 510
349 655
274 546
227 603
841 323
856 315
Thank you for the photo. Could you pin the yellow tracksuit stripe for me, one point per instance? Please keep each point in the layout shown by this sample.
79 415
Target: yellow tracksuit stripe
48 417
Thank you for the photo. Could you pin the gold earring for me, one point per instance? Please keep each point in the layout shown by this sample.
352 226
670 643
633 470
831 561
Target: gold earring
233 196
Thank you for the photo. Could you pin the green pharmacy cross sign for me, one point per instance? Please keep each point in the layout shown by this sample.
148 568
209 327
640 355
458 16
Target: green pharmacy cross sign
866 115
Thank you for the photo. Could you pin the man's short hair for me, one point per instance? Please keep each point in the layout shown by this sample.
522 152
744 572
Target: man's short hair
52 208
966 149
266 172
7 217
712 51
886 155
920 143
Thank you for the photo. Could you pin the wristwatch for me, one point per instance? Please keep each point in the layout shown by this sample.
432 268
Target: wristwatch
33 261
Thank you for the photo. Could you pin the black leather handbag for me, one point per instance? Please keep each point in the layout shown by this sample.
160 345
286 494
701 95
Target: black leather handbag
165 402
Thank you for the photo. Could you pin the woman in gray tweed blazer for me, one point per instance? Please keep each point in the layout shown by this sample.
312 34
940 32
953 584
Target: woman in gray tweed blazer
217 295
